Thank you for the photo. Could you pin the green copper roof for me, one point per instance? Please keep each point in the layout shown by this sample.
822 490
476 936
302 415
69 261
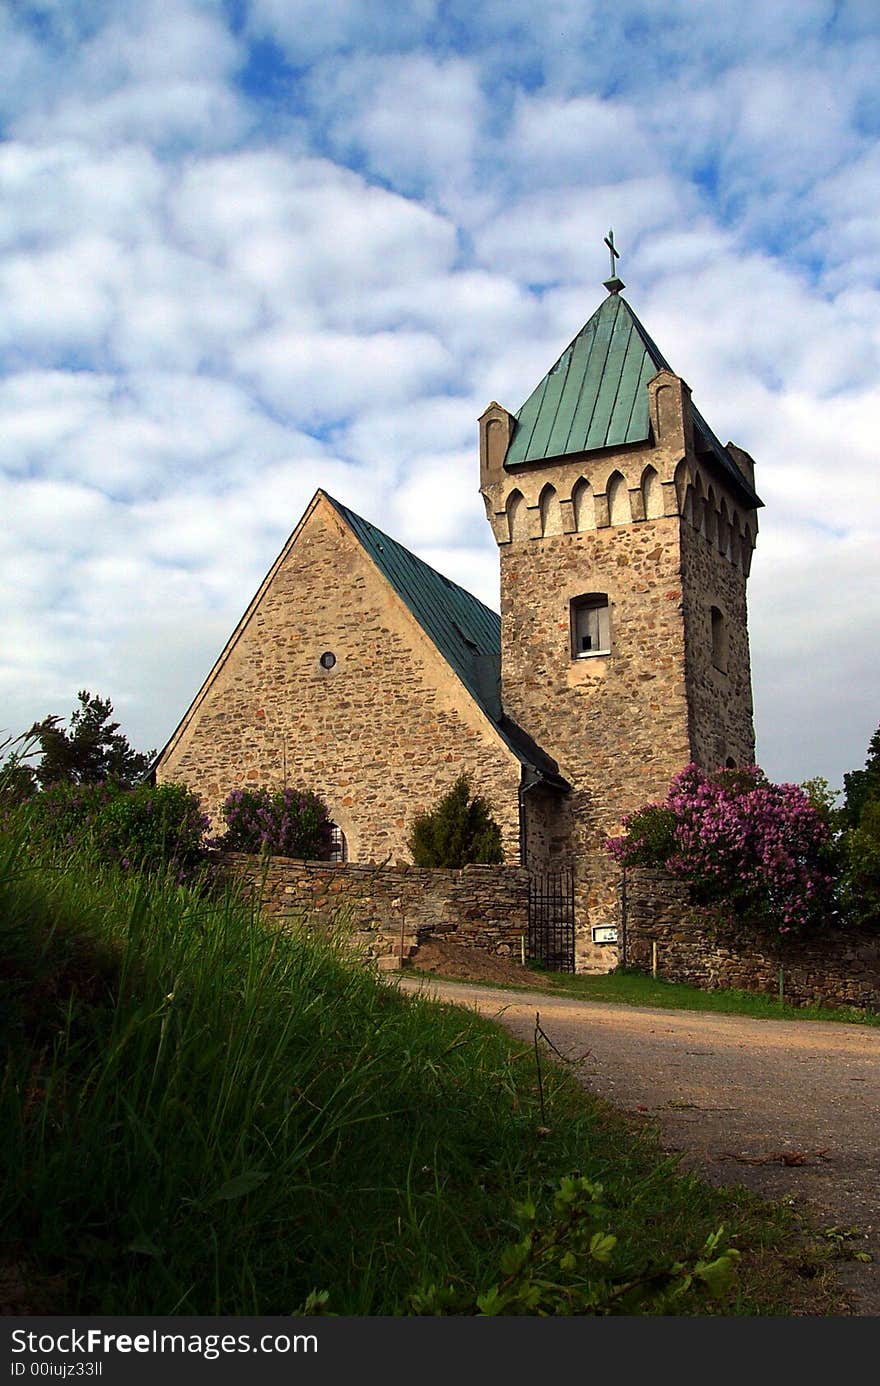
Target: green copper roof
595 395
467 633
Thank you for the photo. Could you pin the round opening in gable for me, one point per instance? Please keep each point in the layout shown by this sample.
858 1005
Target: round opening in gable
328 659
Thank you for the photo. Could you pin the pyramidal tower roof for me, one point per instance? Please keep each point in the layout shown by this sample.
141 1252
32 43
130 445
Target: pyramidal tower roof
596 396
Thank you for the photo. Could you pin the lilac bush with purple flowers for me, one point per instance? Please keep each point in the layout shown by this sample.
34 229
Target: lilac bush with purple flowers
283 823
759 848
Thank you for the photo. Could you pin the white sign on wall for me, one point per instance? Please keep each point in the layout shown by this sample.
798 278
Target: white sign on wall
604 933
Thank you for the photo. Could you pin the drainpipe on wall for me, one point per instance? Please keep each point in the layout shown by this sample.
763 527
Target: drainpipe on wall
621 952
521 805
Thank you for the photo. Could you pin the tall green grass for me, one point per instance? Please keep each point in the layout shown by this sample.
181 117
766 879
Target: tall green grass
202 1115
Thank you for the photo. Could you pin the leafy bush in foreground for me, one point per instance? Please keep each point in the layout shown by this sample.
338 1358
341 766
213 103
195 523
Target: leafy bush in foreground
153 827
565 1265
206 1116
860 841
91 750
860 887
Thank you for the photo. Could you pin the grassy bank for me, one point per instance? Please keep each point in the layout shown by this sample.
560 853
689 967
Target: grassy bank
639 989
202 1116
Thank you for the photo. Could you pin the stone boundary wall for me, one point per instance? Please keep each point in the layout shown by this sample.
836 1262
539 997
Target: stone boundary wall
841 967
390 910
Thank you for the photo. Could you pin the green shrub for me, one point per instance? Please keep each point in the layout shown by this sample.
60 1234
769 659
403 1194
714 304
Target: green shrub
152 827
149 828
861 786
860 890
66 815
259 1117
650 836
858 844
742 843
18 782
565 1265
91 750
458 830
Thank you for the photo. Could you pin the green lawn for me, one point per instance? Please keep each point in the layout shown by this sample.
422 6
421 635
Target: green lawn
638 989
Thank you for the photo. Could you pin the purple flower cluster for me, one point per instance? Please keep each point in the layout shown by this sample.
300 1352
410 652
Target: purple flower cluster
739 839
286 823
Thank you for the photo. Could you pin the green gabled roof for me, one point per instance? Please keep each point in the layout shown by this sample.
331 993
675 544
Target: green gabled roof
595 396
466 633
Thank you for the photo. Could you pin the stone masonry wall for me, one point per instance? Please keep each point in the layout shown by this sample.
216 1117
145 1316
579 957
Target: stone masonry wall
720 699
618 725
839 967
380 735
389 910
545 829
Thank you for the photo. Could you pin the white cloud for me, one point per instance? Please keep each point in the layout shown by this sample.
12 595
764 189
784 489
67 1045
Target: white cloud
307 30
847 238
312 239
414 119
53 190
41 410
380 433
219 295
419 521
59 299
550 236
204 113
584 140
815 673
321 378
152 73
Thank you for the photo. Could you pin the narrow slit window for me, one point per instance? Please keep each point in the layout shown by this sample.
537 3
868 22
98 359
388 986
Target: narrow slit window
590 626
719 640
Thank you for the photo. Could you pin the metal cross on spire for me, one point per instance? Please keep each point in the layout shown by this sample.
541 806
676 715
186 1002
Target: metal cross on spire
613 285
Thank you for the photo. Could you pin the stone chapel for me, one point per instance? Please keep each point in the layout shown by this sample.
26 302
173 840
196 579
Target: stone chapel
625 532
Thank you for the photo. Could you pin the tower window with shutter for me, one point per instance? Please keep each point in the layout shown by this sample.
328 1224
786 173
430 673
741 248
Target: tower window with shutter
590 626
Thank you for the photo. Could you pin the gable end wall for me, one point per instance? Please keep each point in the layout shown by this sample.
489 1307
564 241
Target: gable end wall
380 736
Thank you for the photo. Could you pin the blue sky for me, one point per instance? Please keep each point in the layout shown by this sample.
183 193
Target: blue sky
251 247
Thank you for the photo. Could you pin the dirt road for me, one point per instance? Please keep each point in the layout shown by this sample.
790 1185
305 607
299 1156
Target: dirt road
788 1108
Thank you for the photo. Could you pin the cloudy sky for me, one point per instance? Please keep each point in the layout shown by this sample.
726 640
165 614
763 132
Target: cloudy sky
251 247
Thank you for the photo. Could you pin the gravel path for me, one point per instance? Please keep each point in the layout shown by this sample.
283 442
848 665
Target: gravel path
788 1108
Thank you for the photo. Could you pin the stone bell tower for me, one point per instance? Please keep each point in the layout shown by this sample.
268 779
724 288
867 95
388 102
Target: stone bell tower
625 531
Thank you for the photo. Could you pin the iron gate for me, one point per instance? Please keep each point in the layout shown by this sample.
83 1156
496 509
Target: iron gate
551 920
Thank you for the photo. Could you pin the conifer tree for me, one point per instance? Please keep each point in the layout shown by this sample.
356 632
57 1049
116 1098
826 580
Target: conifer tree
862 786
458 830
92 749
